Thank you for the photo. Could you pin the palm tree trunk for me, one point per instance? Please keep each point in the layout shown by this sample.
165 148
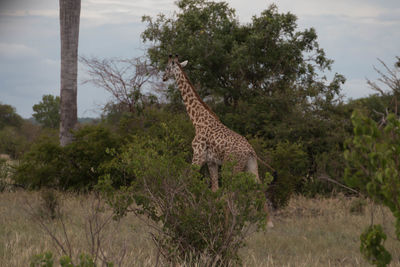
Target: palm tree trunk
69 31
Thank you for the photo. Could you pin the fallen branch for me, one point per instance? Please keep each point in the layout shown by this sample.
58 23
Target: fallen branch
327 178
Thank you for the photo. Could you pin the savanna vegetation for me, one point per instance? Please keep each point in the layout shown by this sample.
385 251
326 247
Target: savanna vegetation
308 232
337 160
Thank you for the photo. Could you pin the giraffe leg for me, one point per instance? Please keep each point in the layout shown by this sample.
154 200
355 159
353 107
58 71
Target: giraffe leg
252 167
239 166
270 224
199 152
213 168
199 159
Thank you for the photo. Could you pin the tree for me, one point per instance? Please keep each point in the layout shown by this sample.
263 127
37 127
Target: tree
9 117
233 62
372 166
69 30
265 79
124 79
372 158
47 111
390 79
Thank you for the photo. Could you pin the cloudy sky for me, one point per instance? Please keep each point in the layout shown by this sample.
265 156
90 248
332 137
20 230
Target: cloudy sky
354 33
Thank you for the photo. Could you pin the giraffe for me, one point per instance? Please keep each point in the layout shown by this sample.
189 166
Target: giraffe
214 143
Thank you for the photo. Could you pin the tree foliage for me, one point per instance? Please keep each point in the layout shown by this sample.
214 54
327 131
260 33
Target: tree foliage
372 158
372 166
372 246
9 117
16 134
265 79
267 57
47 111
74 166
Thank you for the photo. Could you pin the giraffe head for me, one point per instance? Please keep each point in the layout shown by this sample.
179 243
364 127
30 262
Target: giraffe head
173 67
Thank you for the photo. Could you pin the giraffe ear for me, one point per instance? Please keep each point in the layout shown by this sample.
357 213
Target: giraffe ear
184 63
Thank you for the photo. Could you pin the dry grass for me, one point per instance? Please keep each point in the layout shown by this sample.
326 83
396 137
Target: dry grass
319 232
309 232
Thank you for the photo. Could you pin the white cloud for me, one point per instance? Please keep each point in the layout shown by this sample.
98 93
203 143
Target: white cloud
356 88
353 9
93 12
100 12
22 8
362 11
52 13
51 62
17 51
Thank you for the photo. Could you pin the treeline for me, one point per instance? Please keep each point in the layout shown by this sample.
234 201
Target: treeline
316 152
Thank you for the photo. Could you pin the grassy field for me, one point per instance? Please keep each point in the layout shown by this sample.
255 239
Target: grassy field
309 232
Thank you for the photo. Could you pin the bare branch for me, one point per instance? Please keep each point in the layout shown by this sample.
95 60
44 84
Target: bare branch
125 79
389 78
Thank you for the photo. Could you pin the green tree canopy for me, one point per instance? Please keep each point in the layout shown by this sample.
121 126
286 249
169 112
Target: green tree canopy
264 79
230 61
47 111
9 117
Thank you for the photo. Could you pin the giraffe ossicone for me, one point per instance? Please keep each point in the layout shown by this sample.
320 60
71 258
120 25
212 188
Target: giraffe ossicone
214 143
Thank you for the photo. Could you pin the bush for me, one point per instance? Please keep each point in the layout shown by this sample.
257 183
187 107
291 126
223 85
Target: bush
192 222
75 166
86 154
9 117
42 165
47 260
291 163
152 123
372 157
12 142
4 172
372 246
50 204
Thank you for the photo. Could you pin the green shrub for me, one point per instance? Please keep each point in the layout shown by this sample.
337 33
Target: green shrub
75 166
47 260
151 123
42 260
50 204
191 221
12 142
372 246
291 163
373 157
9 117
4 172
86 154
42 165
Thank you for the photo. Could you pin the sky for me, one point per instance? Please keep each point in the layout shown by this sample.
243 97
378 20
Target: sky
354 33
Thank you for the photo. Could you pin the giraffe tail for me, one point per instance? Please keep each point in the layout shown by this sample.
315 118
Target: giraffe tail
274 172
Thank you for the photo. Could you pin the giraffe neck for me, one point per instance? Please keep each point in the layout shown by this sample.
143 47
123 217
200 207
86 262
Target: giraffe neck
197 110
